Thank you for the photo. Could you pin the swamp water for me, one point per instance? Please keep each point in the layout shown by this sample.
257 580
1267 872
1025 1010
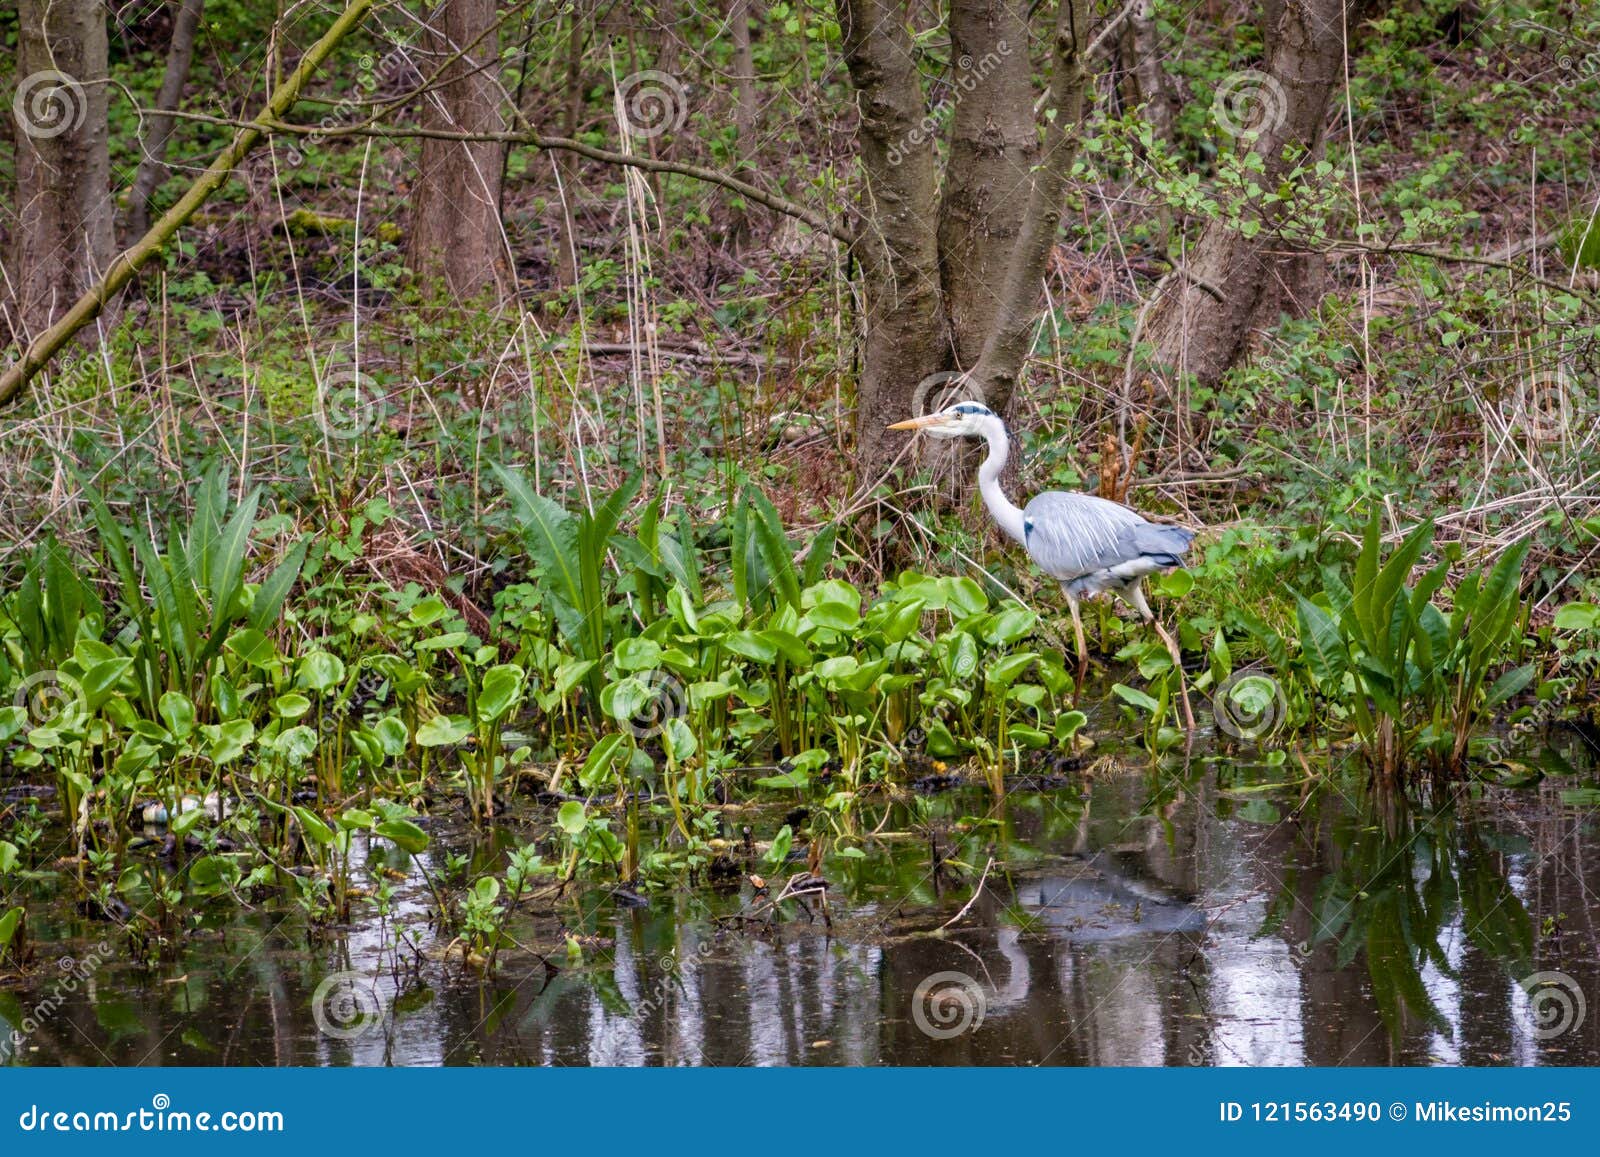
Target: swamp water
1207 913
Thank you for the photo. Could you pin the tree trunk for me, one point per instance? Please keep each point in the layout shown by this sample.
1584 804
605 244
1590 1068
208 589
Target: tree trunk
1202 325
1142 47
954 287
745 110
64 236
153 165
994 144
456 236
1010 338
567 163
903 321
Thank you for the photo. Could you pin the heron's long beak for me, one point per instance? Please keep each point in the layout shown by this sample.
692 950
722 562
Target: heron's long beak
917 423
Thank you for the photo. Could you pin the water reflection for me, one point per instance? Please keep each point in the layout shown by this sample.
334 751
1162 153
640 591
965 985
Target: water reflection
1186 916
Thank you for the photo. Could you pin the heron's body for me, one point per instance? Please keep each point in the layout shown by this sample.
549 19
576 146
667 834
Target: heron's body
1092 545
1089 545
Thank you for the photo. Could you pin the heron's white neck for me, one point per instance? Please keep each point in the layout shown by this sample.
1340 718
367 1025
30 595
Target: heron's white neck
1004 510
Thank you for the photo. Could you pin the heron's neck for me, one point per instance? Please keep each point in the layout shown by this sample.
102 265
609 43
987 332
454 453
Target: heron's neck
1004 510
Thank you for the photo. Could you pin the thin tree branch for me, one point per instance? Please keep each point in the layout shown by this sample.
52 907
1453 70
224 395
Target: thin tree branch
773 201
1108 31
1505 259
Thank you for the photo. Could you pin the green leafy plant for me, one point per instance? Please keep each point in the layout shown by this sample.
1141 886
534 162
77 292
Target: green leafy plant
1411 679
197 588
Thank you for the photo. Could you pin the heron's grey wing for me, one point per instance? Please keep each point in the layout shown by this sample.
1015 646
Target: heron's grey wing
1070 535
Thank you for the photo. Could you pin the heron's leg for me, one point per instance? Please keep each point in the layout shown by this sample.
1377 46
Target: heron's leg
1136 597
1083 649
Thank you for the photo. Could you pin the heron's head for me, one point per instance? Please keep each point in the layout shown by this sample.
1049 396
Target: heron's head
961 420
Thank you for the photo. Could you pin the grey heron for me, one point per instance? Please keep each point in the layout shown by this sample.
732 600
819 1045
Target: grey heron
1090 545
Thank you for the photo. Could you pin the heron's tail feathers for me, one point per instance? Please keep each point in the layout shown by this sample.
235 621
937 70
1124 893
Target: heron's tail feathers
1164 545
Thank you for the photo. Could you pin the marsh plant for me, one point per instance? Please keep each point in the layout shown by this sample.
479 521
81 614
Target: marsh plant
1411 679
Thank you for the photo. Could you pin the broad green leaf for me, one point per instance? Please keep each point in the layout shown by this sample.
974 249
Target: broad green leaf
751 645
838 668
781 843
274 590
551 534
100 681
10 921
500 692
228 741
177 709
443 731
1008 670
1068 724
773 543
449 641
1509 685
319 671
252 647
1578 617
790 646
638 654
602 758
313 826
680 739
405 835
1321 644
571 818
833 616
392 736
296 744
1135 697
291 705
787 781
1030 737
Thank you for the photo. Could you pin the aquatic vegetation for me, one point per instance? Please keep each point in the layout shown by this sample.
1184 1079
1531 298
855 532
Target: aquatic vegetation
641 683
197 590
1409 678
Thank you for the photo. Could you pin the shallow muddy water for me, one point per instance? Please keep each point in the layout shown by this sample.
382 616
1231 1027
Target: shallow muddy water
1214 912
